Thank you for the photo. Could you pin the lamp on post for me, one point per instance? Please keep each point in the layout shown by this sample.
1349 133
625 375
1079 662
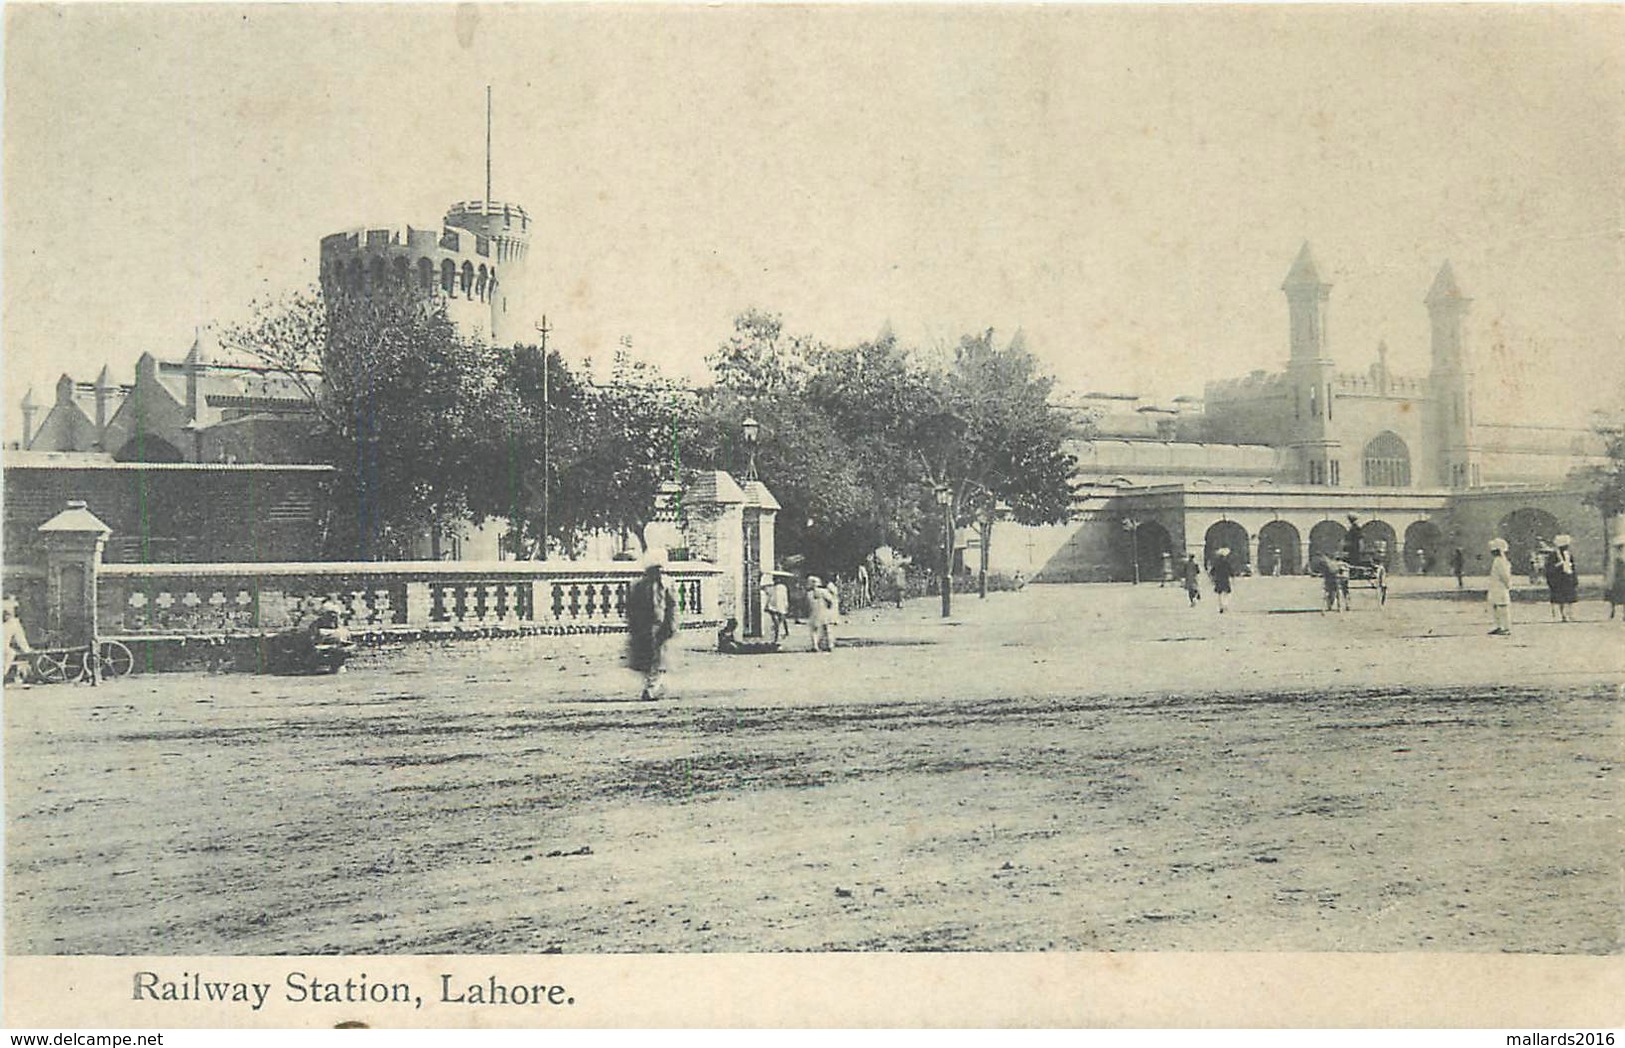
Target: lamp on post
945 499
752 428
1132 526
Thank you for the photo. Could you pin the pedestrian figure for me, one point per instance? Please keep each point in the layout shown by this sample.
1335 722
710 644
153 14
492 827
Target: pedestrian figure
1221 572
15 640
1562 578
651 622
1275 568
1614 592
1193 579
1500 589
1458 565
1334 583
823 613
776 602
865 595
899 582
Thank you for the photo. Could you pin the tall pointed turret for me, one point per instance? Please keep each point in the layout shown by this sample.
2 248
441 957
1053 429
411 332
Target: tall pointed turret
104 392
1306 296
30 408
1310 373
194 370
1451 383
1447 306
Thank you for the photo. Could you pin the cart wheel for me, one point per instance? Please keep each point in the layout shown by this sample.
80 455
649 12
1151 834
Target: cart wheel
116 659
52 666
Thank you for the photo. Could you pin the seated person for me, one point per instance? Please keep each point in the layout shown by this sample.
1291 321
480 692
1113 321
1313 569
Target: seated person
729 644
1353 541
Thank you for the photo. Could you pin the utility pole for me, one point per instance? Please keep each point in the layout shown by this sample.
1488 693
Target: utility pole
488 150
547 450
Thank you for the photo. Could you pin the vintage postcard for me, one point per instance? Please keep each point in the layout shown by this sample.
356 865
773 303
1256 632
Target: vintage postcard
657 515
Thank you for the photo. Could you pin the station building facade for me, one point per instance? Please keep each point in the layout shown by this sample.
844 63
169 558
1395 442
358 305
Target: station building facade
1271 464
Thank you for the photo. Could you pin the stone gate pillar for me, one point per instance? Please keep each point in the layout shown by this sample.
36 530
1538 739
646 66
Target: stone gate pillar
713 529
760 517
73 541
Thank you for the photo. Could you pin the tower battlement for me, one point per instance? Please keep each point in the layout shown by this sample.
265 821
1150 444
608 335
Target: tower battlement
468 262
505 226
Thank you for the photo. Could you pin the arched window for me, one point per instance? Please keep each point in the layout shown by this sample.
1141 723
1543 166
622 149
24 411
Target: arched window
379 275
479 282
401 269
448 275
1387 461
425 274
468 278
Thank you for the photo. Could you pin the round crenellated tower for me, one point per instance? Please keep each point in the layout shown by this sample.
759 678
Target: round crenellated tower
472 264
506 228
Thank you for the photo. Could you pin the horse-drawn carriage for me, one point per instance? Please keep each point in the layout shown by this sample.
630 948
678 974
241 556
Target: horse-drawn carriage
1369 570
1361 567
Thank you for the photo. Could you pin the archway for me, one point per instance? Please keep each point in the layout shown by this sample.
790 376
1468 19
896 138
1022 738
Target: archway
1325 540
1424 549
1279 549
1526 530
1227 534
1387 461
1378 543
1150 541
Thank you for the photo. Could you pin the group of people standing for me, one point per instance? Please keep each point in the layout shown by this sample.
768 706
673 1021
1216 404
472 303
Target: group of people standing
652 621
1562 577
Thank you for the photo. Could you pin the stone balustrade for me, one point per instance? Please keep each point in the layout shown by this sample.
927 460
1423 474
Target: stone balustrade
185 601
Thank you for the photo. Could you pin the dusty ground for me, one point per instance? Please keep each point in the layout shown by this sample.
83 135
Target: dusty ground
1078 768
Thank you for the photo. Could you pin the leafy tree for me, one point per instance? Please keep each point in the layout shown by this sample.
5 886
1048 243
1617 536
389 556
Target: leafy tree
1604 483
629 441
760 360
856 439
400 398
535 424
804 461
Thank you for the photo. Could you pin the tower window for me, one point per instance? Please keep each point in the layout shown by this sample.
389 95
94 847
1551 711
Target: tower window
1314 405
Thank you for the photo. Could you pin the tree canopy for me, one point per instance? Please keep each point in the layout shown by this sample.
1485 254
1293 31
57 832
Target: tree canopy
428 429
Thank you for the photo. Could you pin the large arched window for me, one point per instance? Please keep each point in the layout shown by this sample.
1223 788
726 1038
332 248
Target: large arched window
1387 461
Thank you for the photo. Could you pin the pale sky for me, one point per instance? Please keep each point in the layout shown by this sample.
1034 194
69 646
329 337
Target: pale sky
1127 186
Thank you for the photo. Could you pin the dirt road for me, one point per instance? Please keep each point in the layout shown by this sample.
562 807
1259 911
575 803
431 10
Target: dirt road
1077 768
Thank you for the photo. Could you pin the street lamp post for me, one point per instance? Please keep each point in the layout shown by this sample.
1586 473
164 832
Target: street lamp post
1132 526
751 428
753 539
945 499
547 449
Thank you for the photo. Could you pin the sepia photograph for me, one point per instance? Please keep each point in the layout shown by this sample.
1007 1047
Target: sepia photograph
509 505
